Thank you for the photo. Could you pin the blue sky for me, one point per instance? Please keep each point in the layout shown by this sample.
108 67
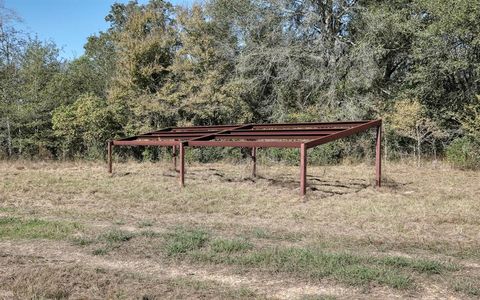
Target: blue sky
66 22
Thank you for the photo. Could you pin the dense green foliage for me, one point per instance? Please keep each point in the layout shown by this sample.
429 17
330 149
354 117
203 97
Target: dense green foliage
414 63
464 153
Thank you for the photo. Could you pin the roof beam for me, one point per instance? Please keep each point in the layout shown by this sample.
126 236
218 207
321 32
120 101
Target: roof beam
286 130
280 132
146 143
172 135
344 133
212 135
267 136
346 124
203 128
246 144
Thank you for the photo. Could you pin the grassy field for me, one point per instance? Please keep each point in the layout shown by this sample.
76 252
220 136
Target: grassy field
70 230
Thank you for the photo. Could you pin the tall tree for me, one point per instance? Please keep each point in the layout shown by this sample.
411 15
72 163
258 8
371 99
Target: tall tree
294 56
90 73
202 72
446 57
11 46
145 40
38 67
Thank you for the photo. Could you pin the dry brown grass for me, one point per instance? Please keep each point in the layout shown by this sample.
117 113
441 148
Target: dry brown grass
420 213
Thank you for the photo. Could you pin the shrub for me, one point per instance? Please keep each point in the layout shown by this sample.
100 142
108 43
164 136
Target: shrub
327 154
205 155
84 126
464 153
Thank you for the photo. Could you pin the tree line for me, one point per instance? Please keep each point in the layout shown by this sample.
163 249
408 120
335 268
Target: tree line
413 63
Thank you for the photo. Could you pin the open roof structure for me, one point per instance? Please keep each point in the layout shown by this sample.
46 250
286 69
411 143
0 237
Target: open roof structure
282 135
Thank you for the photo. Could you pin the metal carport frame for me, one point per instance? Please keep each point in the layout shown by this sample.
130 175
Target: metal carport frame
283 135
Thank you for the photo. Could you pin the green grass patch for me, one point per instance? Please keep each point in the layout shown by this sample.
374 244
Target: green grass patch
7 209
150 234
343 267
230 246
107 241
119 222
418 265
312 263
117 236
261 233
182 241
145 223
82 241
468 286
16 228
100 251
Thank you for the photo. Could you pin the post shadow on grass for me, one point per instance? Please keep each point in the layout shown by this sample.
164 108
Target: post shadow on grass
323 187
319 185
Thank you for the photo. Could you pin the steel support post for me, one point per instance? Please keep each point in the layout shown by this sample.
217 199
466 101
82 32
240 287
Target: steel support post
378 157
254 160
303 170
174 155
182 164
109 154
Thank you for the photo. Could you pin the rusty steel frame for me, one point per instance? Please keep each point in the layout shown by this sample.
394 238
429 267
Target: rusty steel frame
281 135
